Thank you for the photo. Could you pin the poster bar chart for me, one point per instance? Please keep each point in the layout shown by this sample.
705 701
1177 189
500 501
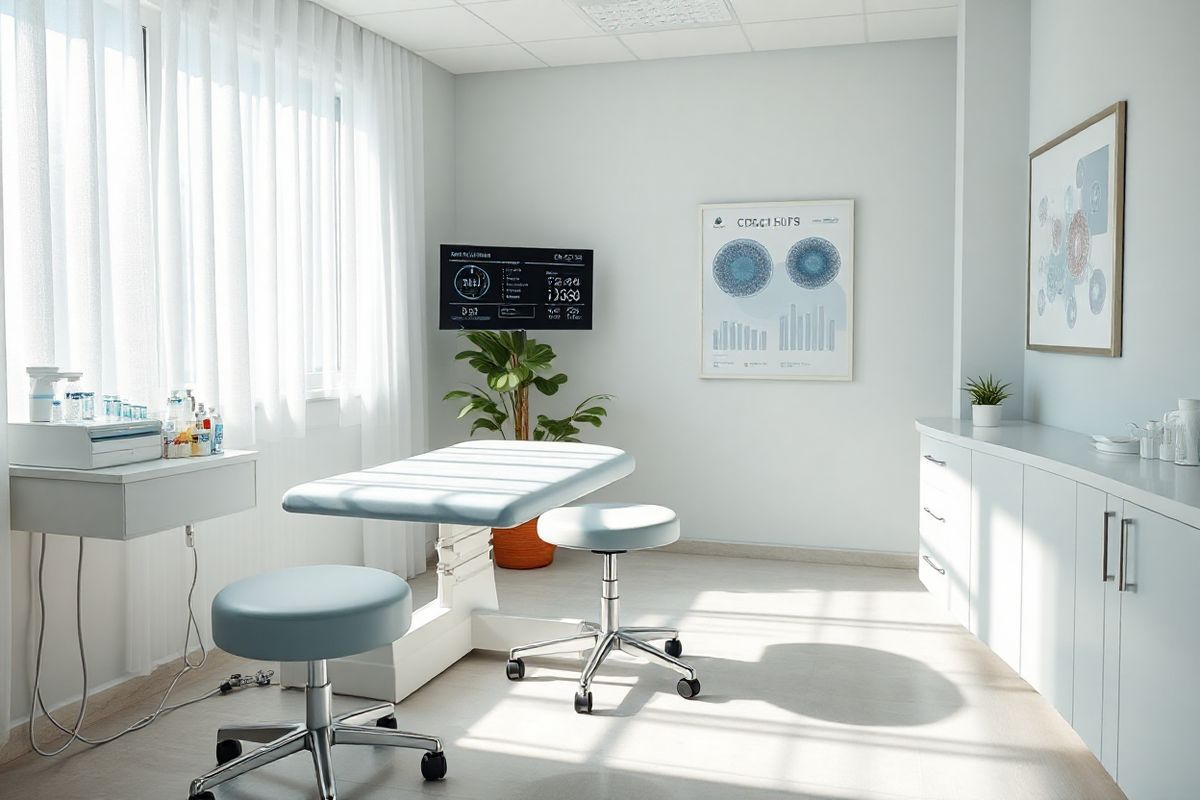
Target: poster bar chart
738 336
808 331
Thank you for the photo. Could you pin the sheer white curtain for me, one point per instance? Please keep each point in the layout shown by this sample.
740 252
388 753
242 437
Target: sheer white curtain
222 204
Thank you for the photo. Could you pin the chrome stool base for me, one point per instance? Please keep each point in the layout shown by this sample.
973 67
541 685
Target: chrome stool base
605 638
318 734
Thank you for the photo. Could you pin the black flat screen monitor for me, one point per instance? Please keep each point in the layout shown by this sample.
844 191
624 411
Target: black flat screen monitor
515 288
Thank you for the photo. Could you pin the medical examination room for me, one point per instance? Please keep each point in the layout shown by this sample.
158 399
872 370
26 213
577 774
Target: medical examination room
599 399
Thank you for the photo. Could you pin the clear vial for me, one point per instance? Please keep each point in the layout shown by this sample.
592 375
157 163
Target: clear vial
89 406
72 407
56 411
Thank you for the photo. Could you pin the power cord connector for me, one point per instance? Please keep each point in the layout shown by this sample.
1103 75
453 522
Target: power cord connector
237 680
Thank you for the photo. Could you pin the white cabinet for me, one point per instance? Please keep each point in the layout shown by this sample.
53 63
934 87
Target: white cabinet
1048 586
1093 598
996 512
944 525
1097 623
1159 657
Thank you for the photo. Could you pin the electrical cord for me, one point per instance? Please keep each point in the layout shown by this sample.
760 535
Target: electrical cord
75 731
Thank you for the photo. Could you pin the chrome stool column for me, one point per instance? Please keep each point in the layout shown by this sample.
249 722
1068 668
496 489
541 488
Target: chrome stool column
627 527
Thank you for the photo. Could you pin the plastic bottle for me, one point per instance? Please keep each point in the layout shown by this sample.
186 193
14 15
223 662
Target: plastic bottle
203 442
218 432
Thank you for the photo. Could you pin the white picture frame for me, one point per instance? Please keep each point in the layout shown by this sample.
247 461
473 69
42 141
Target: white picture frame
777 290
1074 270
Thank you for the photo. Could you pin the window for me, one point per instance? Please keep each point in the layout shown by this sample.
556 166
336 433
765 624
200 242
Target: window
323 294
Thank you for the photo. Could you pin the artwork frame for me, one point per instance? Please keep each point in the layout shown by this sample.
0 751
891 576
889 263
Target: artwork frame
1071 246
823 231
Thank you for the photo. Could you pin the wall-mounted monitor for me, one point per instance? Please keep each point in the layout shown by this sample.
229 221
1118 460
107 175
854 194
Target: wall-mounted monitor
515 288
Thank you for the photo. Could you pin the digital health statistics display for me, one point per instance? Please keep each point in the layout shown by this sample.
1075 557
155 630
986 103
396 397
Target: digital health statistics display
515 288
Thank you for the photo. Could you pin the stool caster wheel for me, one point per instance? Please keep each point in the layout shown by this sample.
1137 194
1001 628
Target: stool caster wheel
228 750
387 722
203 796
433 766
583 702
674 648
515 669
688 688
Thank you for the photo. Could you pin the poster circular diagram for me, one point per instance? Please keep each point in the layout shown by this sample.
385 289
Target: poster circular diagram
742 268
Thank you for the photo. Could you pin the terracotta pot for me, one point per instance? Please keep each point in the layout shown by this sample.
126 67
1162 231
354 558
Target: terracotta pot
520 547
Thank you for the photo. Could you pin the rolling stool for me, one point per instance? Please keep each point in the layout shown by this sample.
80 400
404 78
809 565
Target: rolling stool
609 529
313 614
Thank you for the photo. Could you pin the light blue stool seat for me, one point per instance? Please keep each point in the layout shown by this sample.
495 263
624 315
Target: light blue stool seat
311 613
609 527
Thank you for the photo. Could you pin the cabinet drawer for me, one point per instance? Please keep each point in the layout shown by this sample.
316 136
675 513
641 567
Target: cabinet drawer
946 467
933 575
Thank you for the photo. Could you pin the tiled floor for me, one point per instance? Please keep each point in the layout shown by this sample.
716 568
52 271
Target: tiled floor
818 681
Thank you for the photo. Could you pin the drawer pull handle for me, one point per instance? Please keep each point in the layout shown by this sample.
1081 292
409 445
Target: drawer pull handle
935 516
1104 576
933 460
1123 583
935 566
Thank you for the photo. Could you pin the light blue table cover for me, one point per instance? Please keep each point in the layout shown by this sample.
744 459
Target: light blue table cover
496 484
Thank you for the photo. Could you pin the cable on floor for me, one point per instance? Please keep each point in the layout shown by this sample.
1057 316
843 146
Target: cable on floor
75 731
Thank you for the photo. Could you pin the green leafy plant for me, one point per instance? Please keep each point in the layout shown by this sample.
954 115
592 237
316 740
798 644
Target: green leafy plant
987 391
511 364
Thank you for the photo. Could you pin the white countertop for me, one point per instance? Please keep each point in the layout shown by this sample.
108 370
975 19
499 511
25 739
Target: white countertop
1160 486
133 473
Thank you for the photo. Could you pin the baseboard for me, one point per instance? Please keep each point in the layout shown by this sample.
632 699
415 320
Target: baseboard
783 552
127 701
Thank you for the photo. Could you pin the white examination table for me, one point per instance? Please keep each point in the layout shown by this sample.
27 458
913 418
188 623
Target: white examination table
467 489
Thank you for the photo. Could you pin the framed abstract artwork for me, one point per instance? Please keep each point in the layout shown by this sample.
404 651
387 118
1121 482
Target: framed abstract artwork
777 290
1076 237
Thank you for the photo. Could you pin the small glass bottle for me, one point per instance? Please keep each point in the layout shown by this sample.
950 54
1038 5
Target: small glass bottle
88 406
56 411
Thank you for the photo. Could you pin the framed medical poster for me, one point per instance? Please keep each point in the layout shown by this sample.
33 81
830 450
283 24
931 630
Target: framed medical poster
777 290
1076 223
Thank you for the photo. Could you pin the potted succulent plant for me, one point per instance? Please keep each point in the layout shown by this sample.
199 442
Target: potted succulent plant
512 364
987 400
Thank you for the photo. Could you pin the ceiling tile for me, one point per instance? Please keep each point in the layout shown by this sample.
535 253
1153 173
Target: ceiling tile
770 10
351 8
489 58
433 28
534 20
926 23
690 42
568 52
877 6
820 32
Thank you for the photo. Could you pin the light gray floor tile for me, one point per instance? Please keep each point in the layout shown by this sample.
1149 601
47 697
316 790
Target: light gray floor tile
819 681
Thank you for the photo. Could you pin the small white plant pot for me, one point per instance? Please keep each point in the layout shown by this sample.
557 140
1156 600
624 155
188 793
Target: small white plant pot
986 416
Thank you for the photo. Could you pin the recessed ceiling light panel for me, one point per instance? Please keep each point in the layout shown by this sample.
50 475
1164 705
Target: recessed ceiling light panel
632 16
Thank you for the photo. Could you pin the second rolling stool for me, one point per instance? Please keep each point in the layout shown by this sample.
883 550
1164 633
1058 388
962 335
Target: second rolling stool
609 529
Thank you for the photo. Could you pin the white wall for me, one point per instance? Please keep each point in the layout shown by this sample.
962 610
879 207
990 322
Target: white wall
1086 55
990 195
617 157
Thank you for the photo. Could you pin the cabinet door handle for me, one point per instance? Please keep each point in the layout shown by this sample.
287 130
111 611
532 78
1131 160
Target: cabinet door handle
933 460
935 566
1122 583
935 516
1104 576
